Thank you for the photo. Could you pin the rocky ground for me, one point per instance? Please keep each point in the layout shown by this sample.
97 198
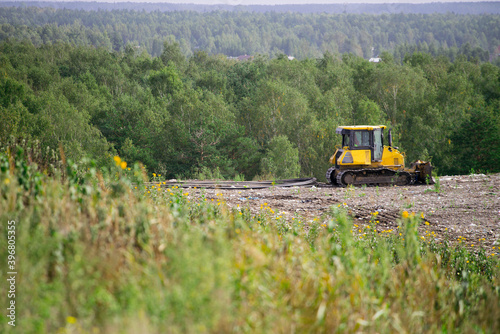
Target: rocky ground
462 209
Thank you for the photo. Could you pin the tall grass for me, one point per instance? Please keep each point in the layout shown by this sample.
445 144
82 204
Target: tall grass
100 253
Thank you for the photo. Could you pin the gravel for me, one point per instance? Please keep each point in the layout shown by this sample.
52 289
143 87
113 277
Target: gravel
463 209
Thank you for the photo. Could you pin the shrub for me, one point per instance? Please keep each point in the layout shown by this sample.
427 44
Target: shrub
281 159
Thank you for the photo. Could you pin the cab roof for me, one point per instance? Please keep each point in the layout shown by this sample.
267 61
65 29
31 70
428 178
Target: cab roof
360 127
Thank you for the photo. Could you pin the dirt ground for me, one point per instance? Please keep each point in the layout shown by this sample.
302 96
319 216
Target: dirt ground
466 209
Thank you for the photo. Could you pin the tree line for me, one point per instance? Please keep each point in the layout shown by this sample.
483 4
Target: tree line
235 33
476 8
209 115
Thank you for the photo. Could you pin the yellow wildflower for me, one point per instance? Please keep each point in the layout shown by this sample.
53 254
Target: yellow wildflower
71 320
405 214
117 160
123 165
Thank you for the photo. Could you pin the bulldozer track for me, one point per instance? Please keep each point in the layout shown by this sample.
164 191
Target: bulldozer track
375 176
329 175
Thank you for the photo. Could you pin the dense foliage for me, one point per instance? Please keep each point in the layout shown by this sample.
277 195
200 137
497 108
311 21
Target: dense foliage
269 33
391 7
96 254
183 116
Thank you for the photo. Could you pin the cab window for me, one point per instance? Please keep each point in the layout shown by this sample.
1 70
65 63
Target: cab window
361 139
345 140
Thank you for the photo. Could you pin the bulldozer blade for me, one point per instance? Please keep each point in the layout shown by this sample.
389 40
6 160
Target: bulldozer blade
423 171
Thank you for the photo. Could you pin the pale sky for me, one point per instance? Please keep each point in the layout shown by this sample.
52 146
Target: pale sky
283 2
287 2
267 2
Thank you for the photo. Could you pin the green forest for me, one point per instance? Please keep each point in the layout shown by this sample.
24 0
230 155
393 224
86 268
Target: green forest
206 114
269 33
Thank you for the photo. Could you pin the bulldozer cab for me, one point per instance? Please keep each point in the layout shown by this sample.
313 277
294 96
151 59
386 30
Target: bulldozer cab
363 137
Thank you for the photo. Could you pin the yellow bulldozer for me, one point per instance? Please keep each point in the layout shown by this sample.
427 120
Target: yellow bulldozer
364 159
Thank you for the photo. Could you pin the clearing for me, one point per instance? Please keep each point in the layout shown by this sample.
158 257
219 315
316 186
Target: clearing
462 209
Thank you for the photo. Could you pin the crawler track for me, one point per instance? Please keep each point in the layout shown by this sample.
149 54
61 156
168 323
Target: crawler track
374 177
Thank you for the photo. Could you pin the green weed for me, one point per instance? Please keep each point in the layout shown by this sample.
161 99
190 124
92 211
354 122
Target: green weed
437 186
